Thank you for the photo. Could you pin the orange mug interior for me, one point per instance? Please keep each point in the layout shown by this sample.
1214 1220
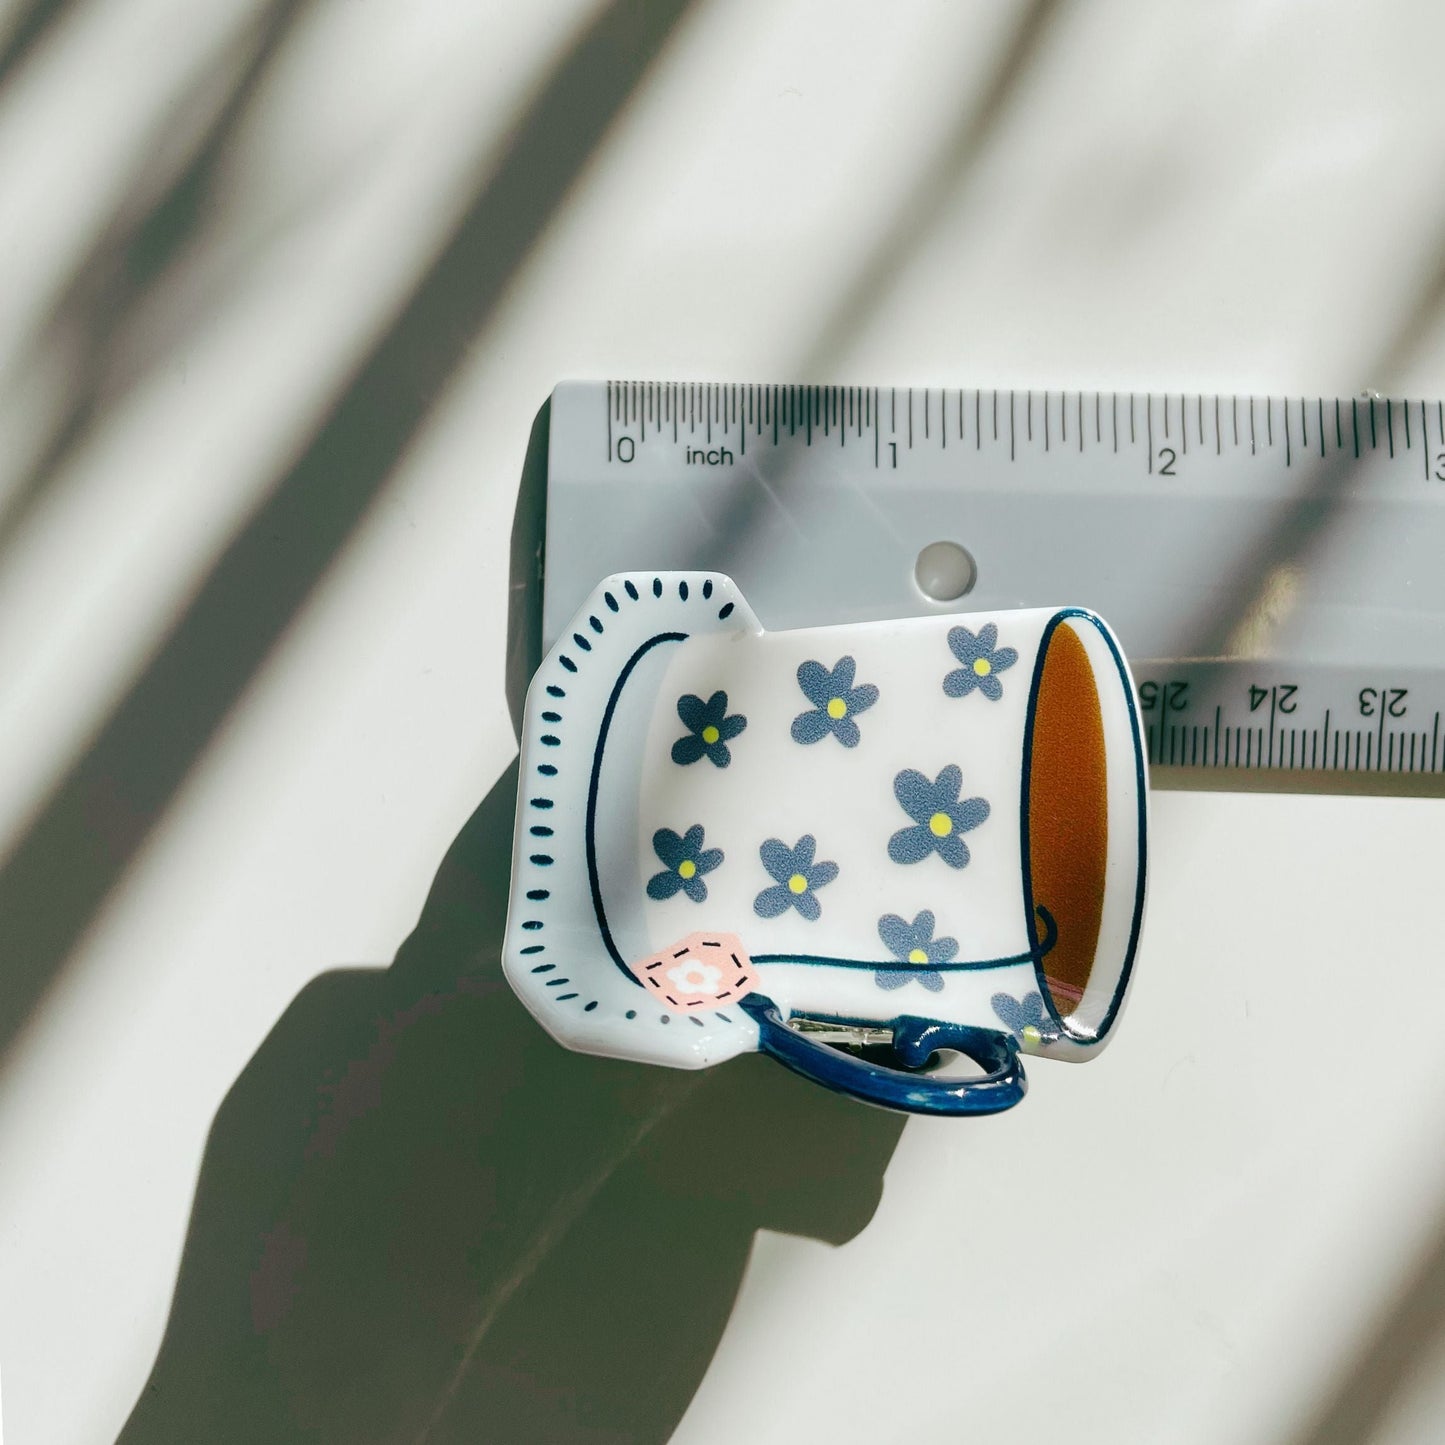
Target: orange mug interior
1067 818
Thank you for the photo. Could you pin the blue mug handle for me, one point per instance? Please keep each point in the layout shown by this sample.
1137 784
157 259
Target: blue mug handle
914 1040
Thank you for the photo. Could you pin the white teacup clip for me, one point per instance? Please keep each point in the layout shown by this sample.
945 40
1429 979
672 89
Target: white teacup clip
905 838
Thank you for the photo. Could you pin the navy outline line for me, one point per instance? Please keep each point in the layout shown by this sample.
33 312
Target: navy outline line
892 965
592 786
1141 802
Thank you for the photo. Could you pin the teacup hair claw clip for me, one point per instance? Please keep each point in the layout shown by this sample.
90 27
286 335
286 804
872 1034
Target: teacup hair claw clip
853 848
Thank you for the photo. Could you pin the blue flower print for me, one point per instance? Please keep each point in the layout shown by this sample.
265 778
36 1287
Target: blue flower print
1028 1021
835 702
939 817
914 944
982 662
708 729
795 877
685 861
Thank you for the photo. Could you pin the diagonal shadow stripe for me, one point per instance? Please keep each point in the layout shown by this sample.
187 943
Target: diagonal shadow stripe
938 183
936 186
1304 529
164 202
1386 1363
1314 518
27 32
100 814
1364 1389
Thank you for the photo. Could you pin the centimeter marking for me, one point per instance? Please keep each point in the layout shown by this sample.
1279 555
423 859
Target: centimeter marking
887 419
1325 747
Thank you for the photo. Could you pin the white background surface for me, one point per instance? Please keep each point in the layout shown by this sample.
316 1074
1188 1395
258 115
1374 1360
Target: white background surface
1202 1236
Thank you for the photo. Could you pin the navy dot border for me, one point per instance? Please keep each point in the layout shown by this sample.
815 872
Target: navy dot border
540 804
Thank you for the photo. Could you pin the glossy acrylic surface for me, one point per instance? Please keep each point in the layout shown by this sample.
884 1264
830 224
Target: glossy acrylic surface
880 822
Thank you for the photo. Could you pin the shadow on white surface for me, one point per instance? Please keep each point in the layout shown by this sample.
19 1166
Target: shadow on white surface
87 833
418 1218
169 196
1374 1396
26 32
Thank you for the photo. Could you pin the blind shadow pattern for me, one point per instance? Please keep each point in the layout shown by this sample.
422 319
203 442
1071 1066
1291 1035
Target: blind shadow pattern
29 28
418 1219
102 811
166 200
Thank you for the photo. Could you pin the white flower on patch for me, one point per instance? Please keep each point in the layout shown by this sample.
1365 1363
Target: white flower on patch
692 975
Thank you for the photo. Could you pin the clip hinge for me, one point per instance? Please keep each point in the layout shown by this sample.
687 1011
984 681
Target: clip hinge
830 1031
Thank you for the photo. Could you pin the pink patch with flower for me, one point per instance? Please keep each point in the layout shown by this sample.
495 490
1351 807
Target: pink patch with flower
701 971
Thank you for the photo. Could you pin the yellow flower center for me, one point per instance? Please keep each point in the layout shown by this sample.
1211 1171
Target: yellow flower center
797 884
687 868
982 667
1032 1035
917 955
940 825
710 735
837 708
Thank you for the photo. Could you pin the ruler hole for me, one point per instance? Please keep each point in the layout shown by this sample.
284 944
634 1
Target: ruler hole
945 571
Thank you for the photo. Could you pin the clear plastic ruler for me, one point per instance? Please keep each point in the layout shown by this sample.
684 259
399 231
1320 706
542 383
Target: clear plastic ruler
1275 566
